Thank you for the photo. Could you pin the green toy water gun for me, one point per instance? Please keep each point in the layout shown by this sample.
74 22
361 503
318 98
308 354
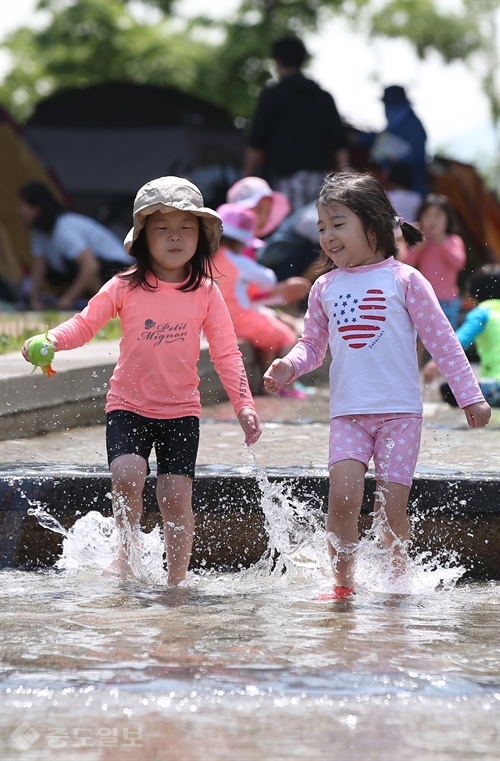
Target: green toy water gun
41 353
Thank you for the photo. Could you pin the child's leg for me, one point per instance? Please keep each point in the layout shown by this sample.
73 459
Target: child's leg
128 476
176 448
347 483
392 499
397 442
174 494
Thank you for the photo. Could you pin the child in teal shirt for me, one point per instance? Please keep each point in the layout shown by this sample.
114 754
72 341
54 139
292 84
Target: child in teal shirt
481 327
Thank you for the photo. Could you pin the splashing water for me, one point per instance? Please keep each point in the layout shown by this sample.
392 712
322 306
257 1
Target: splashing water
46 520
296 537
297 546
92 542
374 566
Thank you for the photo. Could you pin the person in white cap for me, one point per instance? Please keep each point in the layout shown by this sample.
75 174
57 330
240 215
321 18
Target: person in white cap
165 300
272 212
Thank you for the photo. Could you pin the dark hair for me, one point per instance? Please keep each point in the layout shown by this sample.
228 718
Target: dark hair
200 266
38 194
443 203
364 195
484 283
290 51
402 174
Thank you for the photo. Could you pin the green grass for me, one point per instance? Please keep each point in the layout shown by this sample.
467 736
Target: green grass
16 327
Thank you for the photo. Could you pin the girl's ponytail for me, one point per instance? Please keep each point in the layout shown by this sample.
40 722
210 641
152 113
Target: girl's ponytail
411 234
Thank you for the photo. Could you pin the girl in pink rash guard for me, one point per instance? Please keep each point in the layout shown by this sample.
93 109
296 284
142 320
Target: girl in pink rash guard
368 308
164 301
441 256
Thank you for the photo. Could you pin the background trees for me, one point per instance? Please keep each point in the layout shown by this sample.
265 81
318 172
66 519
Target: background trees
225 60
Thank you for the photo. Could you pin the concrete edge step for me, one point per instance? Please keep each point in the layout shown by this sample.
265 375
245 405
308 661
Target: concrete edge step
459 516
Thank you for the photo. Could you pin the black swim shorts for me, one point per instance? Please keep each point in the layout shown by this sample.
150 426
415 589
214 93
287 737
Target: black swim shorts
175 440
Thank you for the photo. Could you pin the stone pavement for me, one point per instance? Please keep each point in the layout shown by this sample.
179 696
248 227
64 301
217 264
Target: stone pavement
295 434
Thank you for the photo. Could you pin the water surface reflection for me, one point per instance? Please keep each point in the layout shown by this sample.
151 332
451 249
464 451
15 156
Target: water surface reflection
247 666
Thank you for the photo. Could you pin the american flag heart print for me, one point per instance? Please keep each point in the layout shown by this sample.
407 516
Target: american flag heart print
359 321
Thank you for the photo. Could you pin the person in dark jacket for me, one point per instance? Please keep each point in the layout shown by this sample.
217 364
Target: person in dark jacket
403 139
297 134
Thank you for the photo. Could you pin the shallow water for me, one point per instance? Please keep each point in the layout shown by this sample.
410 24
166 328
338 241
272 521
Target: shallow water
248 665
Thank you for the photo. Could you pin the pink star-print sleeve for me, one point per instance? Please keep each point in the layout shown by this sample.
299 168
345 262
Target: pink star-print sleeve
439 339
309 351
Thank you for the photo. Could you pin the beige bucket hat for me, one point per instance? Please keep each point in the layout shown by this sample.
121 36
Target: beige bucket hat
168 194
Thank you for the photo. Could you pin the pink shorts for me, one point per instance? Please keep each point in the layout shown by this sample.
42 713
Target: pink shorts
264 331
393 439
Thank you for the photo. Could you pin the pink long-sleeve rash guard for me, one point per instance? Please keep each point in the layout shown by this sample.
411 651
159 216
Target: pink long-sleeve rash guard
440 264
156 373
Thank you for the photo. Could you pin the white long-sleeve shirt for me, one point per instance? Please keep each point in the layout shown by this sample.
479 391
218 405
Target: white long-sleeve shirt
369 316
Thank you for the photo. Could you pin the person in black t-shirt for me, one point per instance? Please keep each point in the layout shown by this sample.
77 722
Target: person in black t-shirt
297 134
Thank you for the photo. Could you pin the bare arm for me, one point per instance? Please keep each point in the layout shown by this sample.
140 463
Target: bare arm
87 279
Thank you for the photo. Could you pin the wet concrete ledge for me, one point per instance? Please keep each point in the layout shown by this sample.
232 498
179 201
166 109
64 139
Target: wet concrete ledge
75 396
31 404
460 514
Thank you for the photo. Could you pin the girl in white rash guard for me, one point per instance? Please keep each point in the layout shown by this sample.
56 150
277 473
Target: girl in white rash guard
368 308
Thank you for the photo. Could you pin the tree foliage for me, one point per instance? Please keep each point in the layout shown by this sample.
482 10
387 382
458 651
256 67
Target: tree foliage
456 36
471 34
90 41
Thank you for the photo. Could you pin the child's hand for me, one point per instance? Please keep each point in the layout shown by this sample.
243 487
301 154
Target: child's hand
24 350
278 374
249 421
478 414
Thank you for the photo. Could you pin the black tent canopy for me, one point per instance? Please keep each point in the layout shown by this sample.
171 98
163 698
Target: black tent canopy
105 141
124 105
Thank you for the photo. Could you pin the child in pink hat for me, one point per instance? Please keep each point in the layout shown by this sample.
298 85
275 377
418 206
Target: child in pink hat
270 208
235 274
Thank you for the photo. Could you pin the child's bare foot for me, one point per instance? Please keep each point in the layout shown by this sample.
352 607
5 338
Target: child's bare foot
400 562
118 567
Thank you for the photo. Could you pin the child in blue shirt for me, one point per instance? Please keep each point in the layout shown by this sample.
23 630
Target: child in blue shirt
481 327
